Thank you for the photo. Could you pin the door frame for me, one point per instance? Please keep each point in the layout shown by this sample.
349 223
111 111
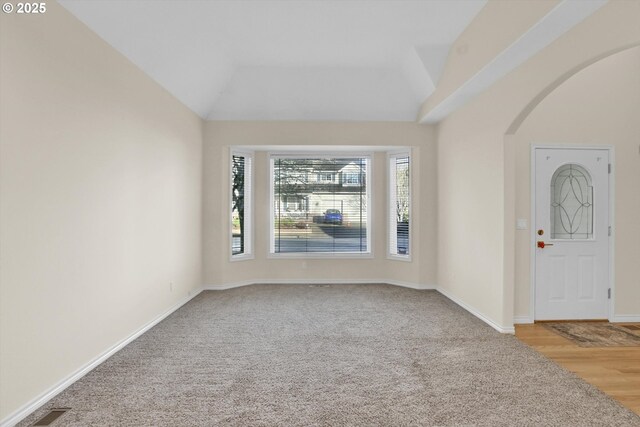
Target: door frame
533 237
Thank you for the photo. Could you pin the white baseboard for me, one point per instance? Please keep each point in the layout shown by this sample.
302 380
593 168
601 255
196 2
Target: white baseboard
419 286
493 324
17 416
522 320
223 286
625 318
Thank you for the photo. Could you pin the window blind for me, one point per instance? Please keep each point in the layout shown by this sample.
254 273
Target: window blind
241 204
399 204
320 205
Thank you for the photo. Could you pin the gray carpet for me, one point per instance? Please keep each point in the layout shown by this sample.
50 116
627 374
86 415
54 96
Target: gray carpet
359 355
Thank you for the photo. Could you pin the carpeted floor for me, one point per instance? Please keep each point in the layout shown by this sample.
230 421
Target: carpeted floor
359 355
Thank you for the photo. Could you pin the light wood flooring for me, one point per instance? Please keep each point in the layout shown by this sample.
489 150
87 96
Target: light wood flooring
614 370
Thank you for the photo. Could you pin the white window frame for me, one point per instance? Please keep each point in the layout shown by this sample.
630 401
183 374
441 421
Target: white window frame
346 178
369 197
322 177
248 208
391 217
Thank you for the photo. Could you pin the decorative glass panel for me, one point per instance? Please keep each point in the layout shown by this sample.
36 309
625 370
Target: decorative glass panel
571 203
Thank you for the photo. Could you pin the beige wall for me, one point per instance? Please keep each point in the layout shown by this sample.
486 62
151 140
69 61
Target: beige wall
477 169
471 212
100 176
219 136
598 106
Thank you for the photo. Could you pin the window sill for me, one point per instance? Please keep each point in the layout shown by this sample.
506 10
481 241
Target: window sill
405 258
328 256
243 257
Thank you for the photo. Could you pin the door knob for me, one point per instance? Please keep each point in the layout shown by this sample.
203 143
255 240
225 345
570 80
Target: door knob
542 244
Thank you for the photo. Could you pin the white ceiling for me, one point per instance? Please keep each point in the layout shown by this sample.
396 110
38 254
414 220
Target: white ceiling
286 60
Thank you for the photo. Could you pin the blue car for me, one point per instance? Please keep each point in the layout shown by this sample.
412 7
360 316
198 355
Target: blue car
333 216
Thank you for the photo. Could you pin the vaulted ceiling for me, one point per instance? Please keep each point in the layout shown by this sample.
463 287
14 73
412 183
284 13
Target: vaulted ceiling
287 60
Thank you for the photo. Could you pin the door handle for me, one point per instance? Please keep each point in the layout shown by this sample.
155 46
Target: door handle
542 244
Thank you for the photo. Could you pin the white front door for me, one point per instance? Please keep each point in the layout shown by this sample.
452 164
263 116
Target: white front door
571 229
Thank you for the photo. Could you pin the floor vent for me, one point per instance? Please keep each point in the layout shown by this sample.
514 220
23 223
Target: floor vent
51 416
